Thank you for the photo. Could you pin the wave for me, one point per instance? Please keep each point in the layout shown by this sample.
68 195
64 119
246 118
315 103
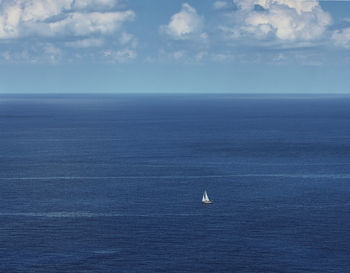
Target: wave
311 176
82 214
64 214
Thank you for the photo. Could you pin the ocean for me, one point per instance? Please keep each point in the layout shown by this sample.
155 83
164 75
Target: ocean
113 183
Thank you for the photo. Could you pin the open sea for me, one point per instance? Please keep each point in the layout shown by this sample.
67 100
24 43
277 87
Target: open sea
113 183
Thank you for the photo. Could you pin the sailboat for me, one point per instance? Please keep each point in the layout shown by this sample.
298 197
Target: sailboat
205 198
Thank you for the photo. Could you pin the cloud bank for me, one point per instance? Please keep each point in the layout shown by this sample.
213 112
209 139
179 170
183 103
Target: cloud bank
231 30
280 20
53 18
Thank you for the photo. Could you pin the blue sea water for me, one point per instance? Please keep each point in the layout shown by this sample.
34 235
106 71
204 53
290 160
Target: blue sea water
113 183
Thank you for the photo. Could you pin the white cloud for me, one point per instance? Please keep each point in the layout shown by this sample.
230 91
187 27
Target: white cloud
127 38
120 56
200 56
39 10
178 54
60 17
184 24
81 24
222 57
42 53
58 29
341 38
85 43
6 55
52 53
281 20
93 4
279 58
51 49
221 5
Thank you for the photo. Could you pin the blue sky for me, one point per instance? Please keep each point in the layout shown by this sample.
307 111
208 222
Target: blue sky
162 46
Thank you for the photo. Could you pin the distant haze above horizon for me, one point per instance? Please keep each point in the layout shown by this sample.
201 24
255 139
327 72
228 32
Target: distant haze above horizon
157 46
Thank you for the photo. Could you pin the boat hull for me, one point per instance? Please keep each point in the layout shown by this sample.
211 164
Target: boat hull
207 202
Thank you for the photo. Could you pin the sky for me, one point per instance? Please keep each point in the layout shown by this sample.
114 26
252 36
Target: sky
173 46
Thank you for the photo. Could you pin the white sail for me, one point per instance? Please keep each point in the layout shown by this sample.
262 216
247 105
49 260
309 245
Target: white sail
205 197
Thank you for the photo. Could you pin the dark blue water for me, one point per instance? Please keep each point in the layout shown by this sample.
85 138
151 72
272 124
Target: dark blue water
114 183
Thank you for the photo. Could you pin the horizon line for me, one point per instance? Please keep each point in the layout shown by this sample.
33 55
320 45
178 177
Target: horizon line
178 93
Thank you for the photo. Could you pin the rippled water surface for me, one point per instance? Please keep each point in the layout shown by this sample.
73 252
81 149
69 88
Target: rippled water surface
114 183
